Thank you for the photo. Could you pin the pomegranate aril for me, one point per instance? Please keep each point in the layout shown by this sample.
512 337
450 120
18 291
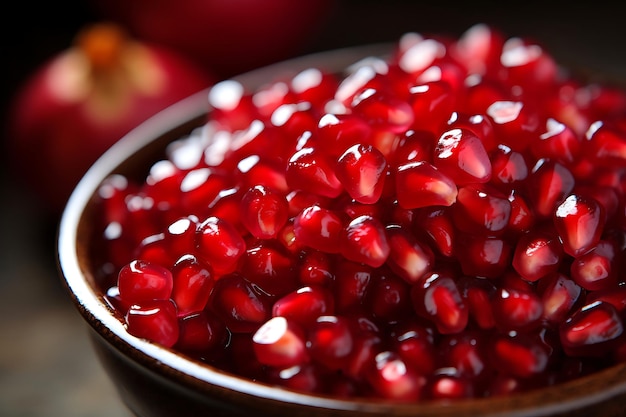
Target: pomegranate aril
477 293
558 142
550 183
466 353
420 184
436 297
351 285
559 295
391 378
154 320
362 171
481 209
520 355
515 310
280 343
239 304
141 281
408 257
301 378
579 222
319 228
388 297
364 240
513 123
592 330
483 256
605 145
435 225
201 333
432 103
193 284
415 345
461 155
444 386
270 267
338 132
219 244
597 269
383 110
329 341
310 169
538 253
305 305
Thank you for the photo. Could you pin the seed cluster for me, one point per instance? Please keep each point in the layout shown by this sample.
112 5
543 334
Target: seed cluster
446 222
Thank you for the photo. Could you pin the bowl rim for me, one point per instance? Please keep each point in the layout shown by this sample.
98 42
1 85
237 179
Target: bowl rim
204 378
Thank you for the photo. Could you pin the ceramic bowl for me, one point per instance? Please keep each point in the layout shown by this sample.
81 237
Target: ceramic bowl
155 381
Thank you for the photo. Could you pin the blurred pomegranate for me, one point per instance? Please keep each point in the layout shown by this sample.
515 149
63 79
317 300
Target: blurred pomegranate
225 36
73 108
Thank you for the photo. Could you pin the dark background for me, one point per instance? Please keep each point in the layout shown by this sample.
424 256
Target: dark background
46 365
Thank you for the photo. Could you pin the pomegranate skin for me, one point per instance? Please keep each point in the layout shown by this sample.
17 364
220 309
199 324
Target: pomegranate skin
64 116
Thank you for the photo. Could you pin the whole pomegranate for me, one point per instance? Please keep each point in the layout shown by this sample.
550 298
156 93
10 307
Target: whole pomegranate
75 106
226 37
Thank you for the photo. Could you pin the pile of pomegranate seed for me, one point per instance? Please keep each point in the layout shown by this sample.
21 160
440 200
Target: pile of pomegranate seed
445 222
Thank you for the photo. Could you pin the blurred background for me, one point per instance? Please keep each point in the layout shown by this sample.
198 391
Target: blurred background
47 367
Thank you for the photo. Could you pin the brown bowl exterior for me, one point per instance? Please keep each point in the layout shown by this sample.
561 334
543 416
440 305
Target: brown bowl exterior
154 381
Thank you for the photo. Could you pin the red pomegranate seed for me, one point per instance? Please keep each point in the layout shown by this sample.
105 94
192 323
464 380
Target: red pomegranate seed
437 298
193 284
461 155
615 296
522 217
483 256
509 168
481 209
362 171
592 330
392 379
559 295
141 281
420 184
352 282
318 228
154 320
435 225
580 223
338 132
466 354
477 293
432 103
513 123
330 341
310 170
558 142
444 386
605 144
305 305
598 268
383 110
388 297
415 345
280 343
270 267
239 304
263 212
302 378
550 183
364 240
408 257
201 333
519 355
538 253
515 310
315 268
219 244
